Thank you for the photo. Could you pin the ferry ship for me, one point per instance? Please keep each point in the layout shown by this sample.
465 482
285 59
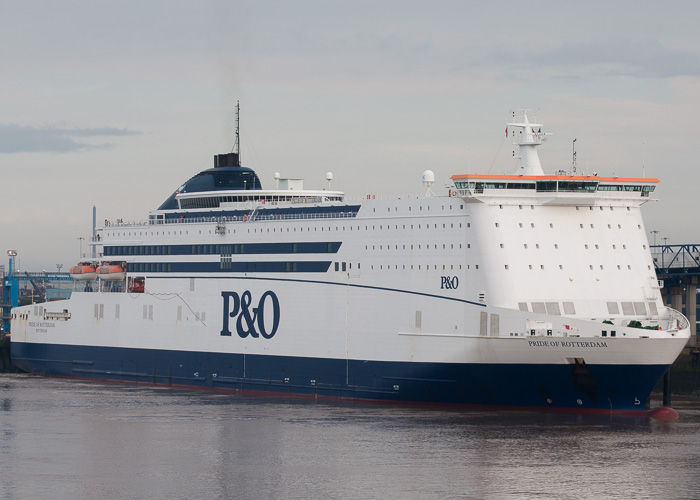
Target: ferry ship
526 290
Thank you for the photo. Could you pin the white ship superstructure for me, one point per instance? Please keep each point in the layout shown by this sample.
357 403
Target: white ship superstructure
526 290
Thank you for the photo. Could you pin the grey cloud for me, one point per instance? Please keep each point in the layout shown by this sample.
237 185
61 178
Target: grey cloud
49 139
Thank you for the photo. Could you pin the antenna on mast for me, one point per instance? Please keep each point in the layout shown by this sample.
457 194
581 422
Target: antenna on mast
237 144
232 159
573 161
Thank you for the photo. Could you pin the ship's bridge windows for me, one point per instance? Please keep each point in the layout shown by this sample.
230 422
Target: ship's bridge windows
609 187
546 186
521 185
577 186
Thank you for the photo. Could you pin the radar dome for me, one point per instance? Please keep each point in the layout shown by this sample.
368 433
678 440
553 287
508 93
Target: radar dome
428 178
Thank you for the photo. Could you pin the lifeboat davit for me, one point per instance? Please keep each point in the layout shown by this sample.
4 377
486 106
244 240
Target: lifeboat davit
111 272
84 271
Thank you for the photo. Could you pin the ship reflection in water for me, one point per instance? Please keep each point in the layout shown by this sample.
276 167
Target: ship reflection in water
70 439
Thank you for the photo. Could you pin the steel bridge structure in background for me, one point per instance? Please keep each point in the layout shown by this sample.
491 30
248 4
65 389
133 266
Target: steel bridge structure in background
39 291
679 268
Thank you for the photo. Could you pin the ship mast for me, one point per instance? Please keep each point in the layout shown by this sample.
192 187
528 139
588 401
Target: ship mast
530 137
237 145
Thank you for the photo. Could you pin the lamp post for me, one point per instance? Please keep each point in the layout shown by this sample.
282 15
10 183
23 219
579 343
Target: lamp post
11 254
654 232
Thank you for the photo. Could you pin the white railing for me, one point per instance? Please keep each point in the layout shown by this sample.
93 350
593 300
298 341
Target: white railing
385 197
231 219
676 321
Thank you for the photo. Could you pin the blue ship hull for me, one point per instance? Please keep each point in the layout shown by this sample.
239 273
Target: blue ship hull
618 388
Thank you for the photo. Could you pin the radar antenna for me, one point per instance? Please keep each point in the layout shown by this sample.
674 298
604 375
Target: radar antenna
428 181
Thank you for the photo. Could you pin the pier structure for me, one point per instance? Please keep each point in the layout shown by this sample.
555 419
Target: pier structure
679 268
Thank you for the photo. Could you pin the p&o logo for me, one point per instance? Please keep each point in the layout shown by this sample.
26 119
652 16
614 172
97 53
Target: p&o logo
449 282
251 321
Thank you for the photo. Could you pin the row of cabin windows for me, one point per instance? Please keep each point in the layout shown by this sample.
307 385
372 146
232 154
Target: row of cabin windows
146 267
556 246
165 267
532 207
290 266
358 228
293 230
195 249
419 267
420 208
427 247
216 201
590 267
138 250
551 225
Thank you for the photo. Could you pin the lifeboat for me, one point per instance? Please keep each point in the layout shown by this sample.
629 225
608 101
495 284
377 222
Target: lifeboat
84 271
111 272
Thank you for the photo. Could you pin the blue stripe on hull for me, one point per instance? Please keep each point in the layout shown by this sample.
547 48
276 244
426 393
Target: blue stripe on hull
605 387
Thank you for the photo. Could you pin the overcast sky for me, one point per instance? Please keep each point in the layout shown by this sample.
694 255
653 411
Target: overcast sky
115 104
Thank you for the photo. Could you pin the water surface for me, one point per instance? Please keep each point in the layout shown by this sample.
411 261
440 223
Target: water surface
72 439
